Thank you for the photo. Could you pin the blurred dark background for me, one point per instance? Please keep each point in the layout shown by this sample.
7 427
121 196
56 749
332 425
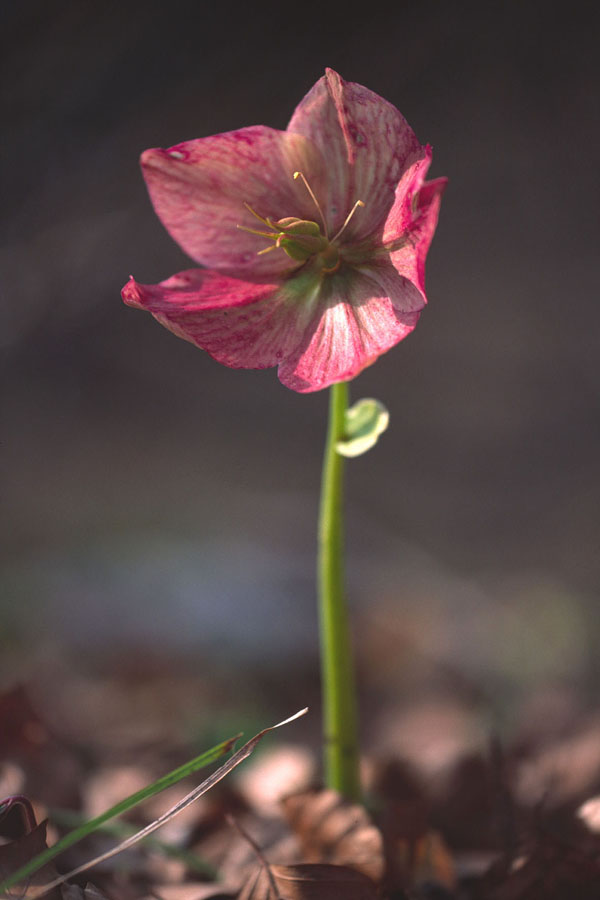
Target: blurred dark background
158 501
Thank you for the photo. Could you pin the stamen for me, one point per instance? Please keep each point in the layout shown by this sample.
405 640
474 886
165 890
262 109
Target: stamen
348 217
256 216
314 200
267 234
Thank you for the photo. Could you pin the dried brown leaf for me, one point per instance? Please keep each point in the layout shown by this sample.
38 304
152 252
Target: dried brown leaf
277 772
75 892
427 860
12 778
51 768
332 830
18 852
108 785
554 869
309 881
235 859
191 892
415 853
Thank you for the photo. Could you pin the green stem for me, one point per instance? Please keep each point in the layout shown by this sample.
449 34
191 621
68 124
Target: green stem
337 673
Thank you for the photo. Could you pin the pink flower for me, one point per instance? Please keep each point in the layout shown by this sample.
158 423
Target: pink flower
313 239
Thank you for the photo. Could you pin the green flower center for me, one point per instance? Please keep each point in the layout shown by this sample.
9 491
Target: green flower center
302 239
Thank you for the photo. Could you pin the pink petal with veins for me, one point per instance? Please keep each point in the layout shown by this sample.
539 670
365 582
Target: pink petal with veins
318 332
198 189
240 324
358 318
367 144
412 221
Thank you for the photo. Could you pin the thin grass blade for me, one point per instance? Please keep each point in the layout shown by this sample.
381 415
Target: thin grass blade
234 761
73 837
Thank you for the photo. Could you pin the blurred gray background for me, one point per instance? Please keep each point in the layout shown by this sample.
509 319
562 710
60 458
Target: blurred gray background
153 498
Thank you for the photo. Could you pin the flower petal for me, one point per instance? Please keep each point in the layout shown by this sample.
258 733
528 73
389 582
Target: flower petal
367 144
359 316
241 324
412 221
199 188
317 330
